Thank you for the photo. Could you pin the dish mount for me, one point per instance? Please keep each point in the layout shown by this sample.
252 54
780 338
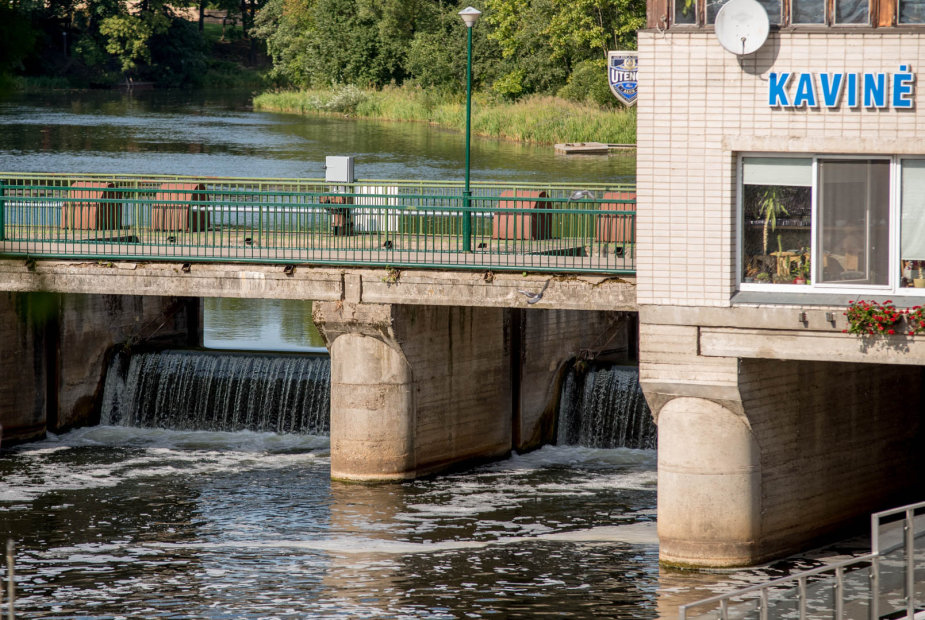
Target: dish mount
742 26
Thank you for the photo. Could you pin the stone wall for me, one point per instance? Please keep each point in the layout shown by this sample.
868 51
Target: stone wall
22 364
55 350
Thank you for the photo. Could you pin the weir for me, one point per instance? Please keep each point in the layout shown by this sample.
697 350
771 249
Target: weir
599 407
218 391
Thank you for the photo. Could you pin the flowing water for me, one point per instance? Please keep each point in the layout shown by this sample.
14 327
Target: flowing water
602 406
203 390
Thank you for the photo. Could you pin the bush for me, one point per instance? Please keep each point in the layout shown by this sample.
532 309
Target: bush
588 84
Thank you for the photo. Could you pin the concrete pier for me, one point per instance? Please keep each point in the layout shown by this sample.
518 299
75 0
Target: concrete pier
761 457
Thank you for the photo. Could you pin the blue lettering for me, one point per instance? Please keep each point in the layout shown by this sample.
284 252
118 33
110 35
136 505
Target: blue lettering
831 88
777 94
852 90
806 92
874 90
902 87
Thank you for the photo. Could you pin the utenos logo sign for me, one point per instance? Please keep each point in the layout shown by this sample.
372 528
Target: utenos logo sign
621 75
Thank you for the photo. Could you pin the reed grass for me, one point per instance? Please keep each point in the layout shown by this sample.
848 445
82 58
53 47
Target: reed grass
537 119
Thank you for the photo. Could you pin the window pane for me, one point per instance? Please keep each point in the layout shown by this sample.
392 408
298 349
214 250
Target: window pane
854 211
777 203
713 7
807 11
777 171
851 12
685 11
913 222
773 9
911 11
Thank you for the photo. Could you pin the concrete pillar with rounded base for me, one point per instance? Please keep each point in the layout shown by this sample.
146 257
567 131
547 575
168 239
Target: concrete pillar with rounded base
709 484
415 389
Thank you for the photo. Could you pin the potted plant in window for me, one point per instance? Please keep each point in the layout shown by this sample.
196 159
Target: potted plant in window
770 207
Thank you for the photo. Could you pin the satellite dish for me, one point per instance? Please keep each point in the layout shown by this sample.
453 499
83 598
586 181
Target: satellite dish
742 26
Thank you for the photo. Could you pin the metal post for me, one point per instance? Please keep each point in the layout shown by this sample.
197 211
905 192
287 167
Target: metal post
839 593
11 592
2 211
909 534
467 193
875 588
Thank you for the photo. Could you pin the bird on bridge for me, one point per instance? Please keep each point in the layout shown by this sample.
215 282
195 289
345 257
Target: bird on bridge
582 193
532 298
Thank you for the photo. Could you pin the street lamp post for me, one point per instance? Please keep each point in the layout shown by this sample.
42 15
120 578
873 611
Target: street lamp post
469 15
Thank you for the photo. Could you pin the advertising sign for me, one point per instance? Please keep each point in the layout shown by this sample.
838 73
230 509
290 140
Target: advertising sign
621 75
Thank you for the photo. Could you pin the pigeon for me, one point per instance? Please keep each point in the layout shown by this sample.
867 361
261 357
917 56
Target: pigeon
579 194
171 239
483 245
388 244
248 241
532 298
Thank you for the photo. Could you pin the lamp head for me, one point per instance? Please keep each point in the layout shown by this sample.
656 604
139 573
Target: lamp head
470 15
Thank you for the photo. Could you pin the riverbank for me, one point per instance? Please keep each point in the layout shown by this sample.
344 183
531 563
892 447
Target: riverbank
539 119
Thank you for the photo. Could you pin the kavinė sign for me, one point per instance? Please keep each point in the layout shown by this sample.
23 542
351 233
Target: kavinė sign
831 90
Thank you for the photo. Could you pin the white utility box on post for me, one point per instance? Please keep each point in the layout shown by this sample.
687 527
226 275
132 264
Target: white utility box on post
338 169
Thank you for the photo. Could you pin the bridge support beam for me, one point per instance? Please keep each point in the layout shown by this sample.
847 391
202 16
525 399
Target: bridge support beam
759 458
415 389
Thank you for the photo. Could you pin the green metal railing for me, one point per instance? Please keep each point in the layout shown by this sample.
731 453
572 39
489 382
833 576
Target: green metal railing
530 227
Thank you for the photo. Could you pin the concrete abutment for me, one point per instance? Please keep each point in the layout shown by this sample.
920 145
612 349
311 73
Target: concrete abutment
54 349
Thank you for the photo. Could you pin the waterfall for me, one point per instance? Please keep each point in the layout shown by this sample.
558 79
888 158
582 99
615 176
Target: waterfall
602 406
218 391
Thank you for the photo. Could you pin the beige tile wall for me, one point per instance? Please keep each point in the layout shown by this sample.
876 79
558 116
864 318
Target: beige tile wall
700 105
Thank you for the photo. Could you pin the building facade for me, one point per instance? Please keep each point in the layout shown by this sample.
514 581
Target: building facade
775 189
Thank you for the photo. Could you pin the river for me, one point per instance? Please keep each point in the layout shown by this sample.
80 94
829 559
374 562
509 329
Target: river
120 522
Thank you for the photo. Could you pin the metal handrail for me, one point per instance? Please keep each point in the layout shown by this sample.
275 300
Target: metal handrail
523 227
799 580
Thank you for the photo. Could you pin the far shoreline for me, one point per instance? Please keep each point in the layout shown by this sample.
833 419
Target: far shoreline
542 120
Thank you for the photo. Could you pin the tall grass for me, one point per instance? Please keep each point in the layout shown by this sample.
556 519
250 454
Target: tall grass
539 119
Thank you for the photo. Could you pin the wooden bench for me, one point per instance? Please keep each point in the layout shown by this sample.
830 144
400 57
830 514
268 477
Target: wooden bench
616 228
91 205
533 223
175 207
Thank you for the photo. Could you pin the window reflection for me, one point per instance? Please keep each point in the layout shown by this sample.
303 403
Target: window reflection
912 12
713 7
773 7
851 12
807 11
854 213
685 11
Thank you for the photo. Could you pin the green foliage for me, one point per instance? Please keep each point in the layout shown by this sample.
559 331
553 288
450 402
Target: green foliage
521 47
588 84
17 39
128 37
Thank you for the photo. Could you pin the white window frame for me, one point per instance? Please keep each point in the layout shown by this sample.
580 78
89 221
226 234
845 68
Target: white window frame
894 239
